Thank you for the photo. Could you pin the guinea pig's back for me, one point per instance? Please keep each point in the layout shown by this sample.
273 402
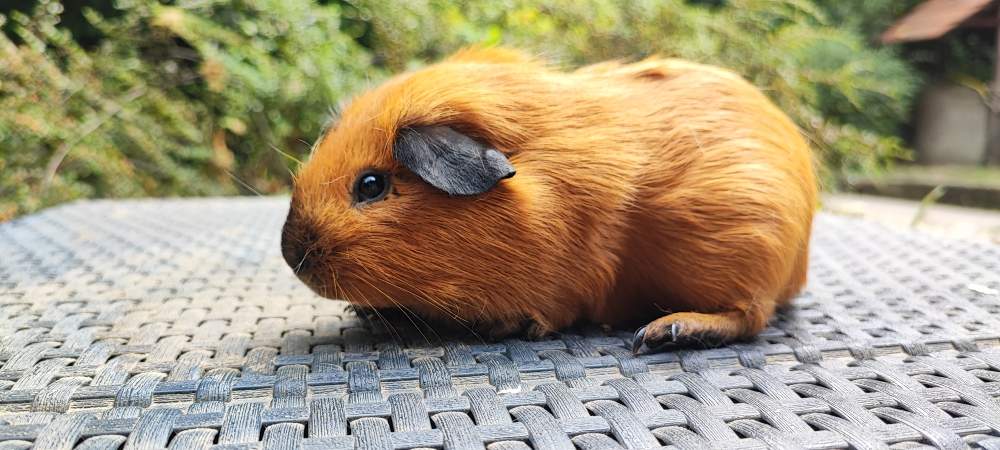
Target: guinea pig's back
692 106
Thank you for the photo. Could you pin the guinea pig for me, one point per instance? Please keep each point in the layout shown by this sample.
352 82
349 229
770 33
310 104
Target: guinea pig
495 190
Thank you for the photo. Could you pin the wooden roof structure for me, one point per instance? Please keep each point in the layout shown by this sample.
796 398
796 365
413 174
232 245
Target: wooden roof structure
934 18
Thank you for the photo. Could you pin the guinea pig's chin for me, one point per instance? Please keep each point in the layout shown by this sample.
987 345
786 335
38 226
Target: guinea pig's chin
322 287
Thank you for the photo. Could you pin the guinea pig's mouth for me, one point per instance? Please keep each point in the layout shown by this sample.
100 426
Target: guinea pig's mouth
321 287
303 252
304 260
329 270
311 266
322 281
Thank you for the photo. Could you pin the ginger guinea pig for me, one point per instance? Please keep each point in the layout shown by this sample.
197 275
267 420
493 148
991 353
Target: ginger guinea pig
494 190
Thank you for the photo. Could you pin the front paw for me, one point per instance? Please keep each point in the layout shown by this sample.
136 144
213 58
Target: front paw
528 328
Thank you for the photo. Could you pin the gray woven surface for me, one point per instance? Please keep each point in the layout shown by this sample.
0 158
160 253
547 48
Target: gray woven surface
176 324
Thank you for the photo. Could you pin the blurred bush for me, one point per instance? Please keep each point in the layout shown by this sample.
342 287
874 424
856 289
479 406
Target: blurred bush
206 97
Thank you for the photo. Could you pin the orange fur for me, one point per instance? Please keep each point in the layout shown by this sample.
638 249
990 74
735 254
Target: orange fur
662 185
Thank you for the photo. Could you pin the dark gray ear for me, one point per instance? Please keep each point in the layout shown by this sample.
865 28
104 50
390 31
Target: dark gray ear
451 161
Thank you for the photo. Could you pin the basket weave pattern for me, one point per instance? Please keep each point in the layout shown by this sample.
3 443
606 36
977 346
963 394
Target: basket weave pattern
175 323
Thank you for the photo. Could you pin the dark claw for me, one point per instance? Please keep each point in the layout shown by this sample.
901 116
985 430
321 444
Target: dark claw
672 337
637 339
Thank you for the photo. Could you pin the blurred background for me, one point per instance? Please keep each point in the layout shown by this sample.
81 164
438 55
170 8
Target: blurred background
127 98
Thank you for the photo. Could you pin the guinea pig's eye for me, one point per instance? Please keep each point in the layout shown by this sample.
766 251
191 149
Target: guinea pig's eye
370 187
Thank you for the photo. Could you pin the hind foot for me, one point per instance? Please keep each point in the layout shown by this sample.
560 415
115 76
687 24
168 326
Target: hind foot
694 329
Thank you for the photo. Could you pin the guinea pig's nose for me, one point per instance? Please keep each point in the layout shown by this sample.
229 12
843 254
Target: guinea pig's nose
298 243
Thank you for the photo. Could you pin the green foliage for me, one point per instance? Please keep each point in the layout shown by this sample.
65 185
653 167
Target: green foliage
77 123
869 17
207 97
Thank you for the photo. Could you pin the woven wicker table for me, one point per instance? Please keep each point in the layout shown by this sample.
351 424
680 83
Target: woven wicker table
151 324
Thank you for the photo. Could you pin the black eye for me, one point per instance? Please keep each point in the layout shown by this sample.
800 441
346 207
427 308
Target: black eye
370 187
